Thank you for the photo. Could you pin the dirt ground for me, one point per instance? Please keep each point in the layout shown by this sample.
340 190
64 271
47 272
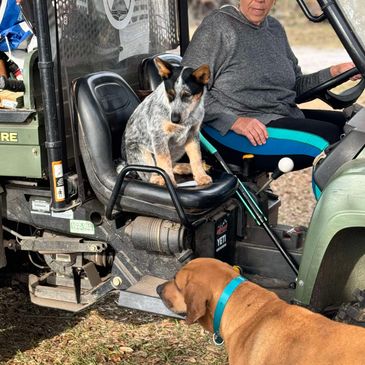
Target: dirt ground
106 334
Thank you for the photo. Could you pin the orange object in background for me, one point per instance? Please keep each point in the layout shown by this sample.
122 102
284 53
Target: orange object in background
3 71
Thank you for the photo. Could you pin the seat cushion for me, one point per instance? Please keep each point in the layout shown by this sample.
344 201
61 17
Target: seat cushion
191 198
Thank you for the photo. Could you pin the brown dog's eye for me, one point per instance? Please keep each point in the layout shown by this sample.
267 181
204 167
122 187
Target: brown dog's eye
176 283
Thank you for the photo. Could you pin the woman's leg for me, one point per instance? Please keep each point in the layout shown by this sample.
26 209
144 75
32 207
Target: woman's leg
300 139
301 150
330 131
335 117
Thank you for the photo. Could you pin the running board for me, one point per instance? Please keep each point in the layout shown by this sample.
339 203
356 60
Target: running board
143 296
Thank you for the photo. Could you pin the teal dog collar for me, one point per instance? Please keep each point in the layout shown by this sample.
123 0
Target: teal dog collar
219 309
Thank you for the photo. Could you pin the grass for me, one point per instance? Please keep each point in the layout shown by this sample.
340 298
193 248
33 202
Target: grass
103 335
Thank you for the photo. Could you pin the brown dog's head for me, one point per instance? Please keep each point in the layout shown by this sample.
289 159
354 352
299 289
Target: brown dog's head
196 288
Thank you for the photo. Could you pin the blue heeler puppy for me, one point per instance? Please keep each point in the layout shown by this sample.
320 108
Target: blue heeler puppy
166 124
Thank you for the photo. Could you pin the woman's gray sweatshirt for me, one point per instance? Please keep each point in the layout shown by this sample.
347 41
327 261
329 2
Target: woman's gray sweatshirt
254 71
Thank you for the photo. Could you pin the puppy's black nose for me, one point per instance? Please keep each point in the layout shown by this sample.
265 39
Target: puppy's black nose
175 117
159 289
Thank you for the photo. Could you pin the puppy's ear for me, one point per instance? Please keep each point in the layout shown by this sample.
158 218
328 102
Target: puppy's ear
164 68
202 74
196 300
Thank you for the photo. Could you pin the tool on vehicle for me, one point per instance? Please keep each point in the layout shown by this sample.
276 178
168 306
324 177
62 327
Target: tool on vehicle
251 205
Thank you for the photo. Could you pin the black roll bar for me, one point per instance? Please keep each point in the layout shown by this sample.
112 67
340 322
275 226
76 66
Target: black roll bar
183 25
313 18
344 32
53 142
170 187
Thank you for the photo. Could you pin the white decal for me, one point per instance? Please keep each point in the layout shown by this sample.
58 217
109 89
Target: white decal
67 214
119 12
82 227
41 206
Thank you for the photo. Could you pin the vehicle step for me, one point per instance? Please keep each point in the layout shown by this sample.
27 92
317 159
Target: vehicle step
66 294
143 296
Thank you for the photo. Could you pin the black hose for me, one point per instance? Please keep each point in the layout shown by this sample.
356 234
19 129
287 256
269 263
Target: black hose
11 85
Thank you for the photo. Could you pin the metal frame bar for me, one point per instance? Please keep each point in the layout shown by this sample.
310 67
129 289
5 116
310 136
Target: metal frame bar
170 187
53 142
183 25
313 18
344 32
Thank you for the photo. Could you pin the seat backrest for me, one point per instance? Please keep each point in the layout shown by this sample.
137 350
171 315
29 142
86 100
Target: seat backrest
149 77
104 103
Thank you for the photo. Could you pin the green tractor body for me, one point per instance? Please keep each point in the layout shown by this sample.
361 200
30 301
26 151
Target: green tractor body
332 265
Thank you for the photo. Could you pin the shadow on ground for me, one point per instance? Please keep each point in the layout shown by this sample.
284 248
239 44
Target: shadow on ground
24 326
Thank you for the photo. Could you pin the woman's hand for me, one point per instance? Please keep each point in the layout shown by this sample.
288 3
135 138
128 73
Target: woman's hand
343 67
252 129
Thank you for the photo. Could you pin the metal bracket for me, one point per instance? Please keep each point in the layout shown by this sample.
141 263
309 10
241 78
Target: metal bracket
61 245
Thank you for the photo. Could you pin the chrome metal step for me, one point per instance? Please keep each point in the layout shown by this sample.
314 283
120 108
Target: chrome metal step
143 296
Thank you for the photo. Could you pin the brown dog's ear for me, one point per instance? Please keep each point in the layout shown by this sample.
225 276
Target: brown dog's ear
196 300
163 67
202 74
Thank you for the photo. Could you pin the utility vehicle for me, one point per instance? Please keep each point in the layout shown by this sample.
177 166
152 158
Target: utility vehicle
86 230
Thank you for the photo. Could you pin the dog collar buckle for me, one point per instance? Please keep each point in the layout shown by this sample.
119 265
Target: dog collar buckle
217 339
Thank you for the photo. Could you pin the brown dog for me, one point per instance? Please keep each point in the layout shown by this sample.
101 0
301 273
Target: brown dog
259 328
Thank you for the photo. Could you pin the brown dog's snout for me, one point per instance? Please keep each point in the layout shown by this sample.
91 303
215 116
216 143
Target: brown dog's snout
159 289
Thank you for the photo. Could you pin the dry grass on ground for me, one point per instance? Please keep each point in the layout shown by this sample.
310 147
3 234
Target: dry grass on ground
105 335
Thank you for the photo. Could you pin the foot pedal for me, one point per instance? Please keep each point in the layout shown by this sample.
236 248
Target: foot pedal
143 296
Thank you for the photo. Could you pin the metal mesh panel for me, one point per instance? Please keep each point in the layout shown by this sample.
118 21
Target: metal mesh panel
98 34
86 36
163 25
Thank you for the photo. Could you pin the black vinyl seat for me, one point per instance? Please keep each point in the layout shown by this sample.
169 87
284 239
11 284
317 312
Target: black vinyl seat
149 78
104 103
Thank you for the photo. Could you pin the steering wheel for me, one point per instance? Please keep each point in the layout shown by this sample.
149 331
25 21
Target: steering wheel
336 101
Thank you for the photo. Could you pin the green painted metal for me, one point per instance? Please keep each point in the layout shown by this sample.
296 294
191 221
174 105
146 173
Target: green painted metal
27 132
338 221
21 161
22 156
28 76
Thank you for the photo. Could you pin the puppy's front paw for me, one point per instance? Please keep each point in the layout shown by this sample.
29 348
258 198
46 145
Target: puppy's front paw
203 179
157 179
